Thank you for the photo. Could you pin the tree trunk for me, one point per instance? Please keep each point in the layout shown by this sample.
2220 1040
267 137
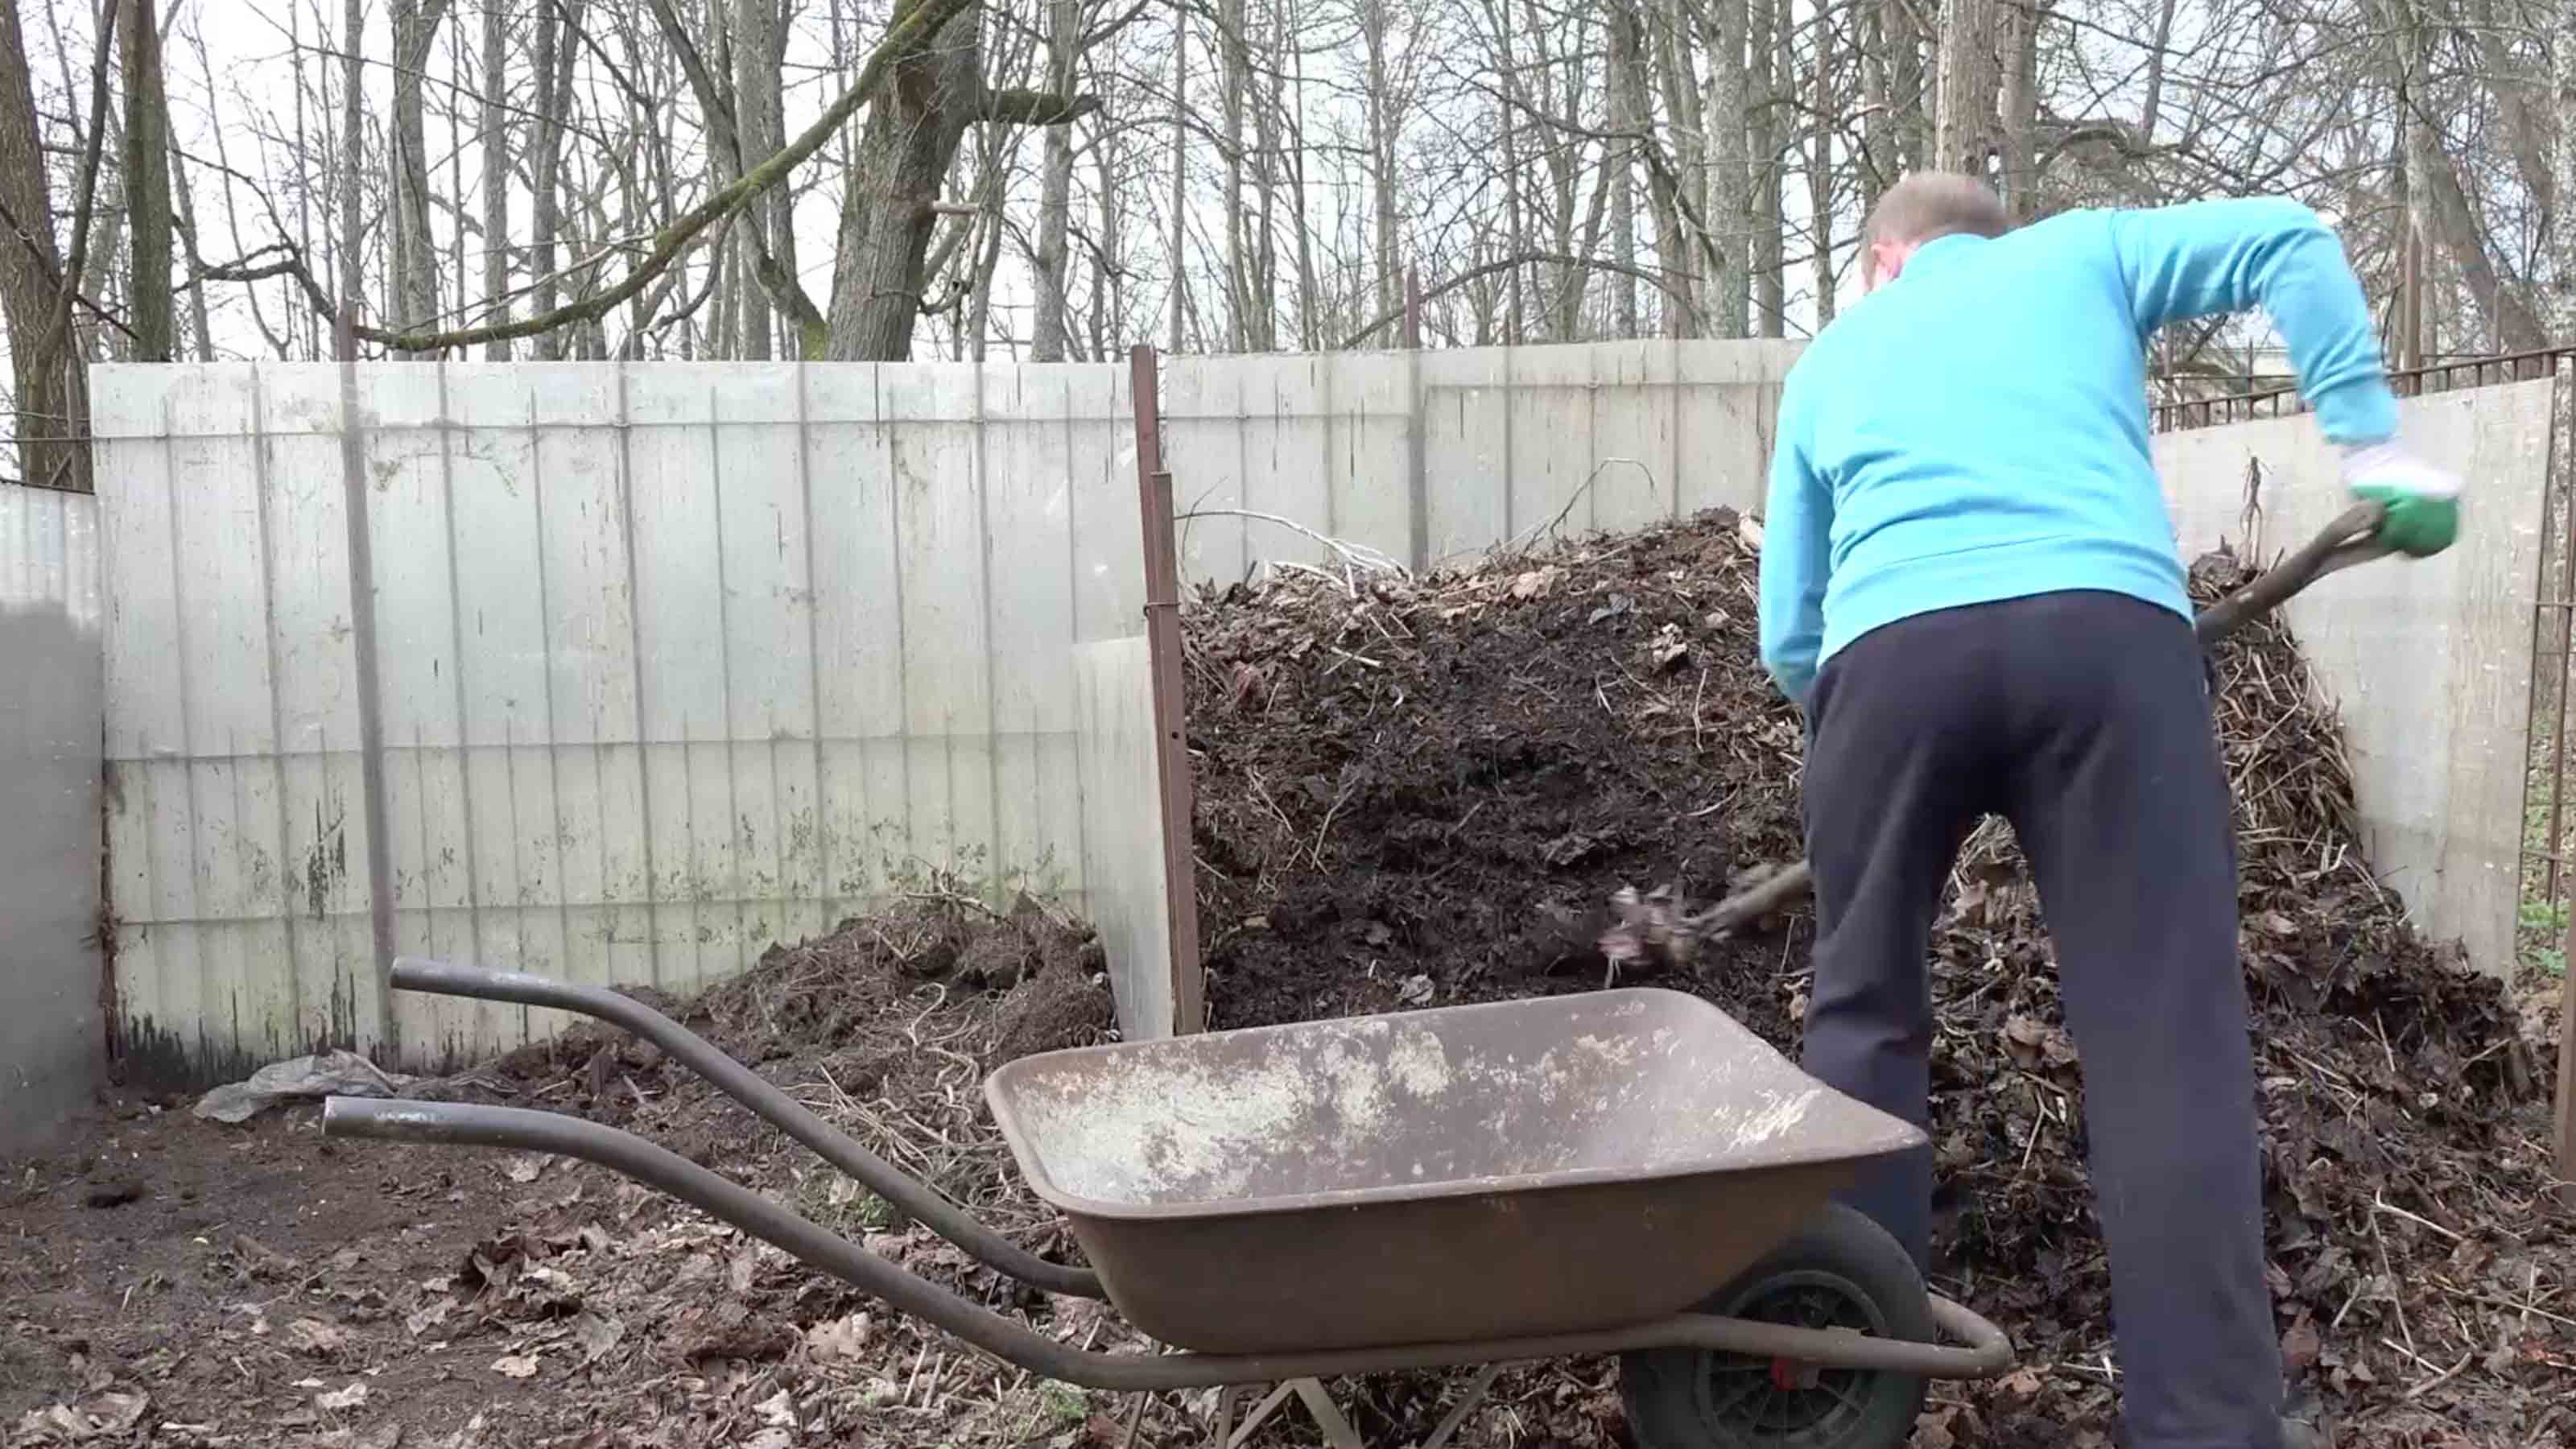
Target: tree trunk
1769 46
1233 81
2149 113
50 396
496 175
761 132
1964 113
1680 302
353 159
1627 118
1878 100
1729 206
1267 88
1910 117
913 130
1180 171
1055 188
554 52
2562 169
1820 172
1383 123
2019 105
146 179
2511 324
2415 119
415 255
186 212
1515 207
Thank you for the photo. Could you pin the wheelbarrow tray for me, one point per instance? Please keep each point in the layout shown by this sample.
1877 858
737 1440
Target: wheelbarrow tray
1469 1172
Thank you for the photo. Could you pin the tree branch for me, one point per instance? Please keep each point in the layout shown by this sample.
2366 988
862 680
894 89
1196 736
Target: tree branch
1036 108
1660 281
75 269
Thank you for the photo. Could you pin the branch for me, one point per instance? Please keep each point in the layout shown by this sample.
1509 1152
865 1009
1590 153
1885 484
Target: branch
1660 281
73 271
1036 108
901 40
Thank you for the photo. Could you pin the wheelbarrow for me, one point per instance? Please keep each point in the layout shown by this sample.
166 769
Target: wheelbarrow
1626 1172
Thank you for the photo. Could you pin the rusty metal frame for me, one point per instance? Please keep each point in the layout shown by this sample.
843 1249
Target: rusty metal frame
1171 741
1981 1350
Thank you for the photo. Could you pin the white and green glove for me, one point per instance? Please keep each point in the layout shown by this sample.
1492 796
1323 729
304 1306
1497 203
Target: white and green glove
2423 502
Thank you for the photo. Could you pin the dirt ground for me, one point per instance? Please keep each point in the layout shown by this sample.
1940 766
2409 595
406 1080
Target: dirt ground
1411 792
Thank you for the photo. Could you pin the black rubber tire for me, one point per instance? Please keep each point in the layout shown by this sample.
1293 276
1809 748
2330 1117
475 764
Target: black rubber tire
1841 1267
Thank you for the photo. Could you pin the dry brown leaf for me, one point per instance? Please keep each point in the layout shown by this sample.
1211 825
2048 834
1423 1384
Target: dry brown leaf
597 1334
428 1316
313 1336
342 1400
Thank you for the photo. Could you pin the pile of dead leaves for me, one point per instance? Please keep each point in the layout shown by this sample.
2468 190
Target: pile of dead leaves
1415 791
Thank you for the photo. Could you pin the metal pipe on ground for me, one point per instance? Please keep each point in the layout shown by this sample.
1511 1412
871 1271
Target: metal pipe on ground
1987 1354
907 1194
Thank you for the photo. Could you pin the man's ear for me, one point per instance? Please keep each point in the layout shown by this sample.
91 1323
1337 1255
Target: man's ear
1886 259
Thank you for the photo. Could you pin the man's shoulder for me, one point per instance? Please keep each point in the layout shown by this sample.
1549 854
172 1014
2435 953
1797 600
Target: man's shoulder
2079 232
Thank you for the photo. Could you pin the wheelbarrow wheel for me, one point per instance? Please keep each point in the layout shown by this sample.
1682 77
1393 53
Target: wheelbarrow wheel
1839 1271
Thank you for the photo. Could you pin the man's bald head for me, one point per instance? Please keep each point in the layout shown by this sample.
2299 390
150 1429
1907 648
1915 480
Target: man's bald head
1924 207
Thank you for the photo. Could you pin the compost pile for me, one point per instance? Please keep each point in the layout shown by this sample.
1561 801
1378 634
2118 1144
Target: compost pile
1417 791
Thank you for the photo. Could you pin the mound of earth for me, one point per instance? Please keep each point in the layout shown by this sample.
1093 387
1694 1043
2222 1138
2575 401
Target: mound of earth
1424 791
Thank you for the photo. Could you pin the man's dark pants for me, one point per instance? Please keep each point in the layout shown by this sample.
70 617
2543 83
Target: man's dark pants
2083 718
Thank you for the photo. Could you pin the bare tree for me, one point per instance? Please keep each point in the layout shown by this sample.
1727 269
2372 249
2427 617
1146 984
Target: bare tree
39 288
145 175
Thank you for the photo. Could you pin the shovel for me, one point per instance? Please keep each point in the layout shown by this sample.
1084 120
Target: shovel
1650 927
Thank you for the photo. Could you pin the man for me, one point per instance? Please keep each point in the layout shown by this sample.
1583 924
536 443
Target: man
1970 585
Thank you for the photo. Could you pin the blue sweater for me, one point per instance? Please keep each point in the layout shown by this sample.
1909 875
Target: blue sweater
1976 429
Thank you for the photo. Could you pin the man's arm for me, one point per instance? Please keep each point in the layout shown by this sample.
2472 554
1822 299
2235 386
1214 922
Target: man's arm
2204 258
1797 554
2209 257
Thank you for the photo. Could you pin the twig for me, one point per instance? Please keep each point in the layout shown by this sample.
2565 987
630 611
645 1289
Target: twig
1356 555
1549 528
2389 1272
2437 1380
2380 1202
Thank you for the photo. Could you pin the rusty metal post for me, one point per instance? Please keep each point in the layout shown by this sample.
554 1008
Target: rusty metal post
2567 1074
1163 644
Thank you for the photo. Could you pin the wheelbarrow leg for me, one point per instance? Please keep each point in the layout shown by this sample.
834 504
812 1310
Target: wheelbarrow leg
1477 1387
1223 1438
1338 1432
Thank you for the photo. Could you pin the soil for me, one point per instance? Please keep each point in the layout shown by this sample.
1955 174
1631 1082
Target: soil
170 1281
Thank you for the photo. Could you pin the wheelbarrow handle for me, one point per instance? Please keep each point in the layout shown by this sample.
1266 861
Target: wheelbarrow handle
2348 540
1987 1354
908 1194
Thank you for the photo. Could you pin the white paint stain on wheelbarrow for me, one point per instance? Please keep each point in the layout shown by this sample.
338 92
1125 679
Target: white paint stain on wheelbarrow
1462 1099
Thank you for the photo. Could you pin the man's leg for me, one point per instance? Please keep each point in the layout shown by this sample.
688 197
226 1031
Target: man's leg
1896 762
2120 799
